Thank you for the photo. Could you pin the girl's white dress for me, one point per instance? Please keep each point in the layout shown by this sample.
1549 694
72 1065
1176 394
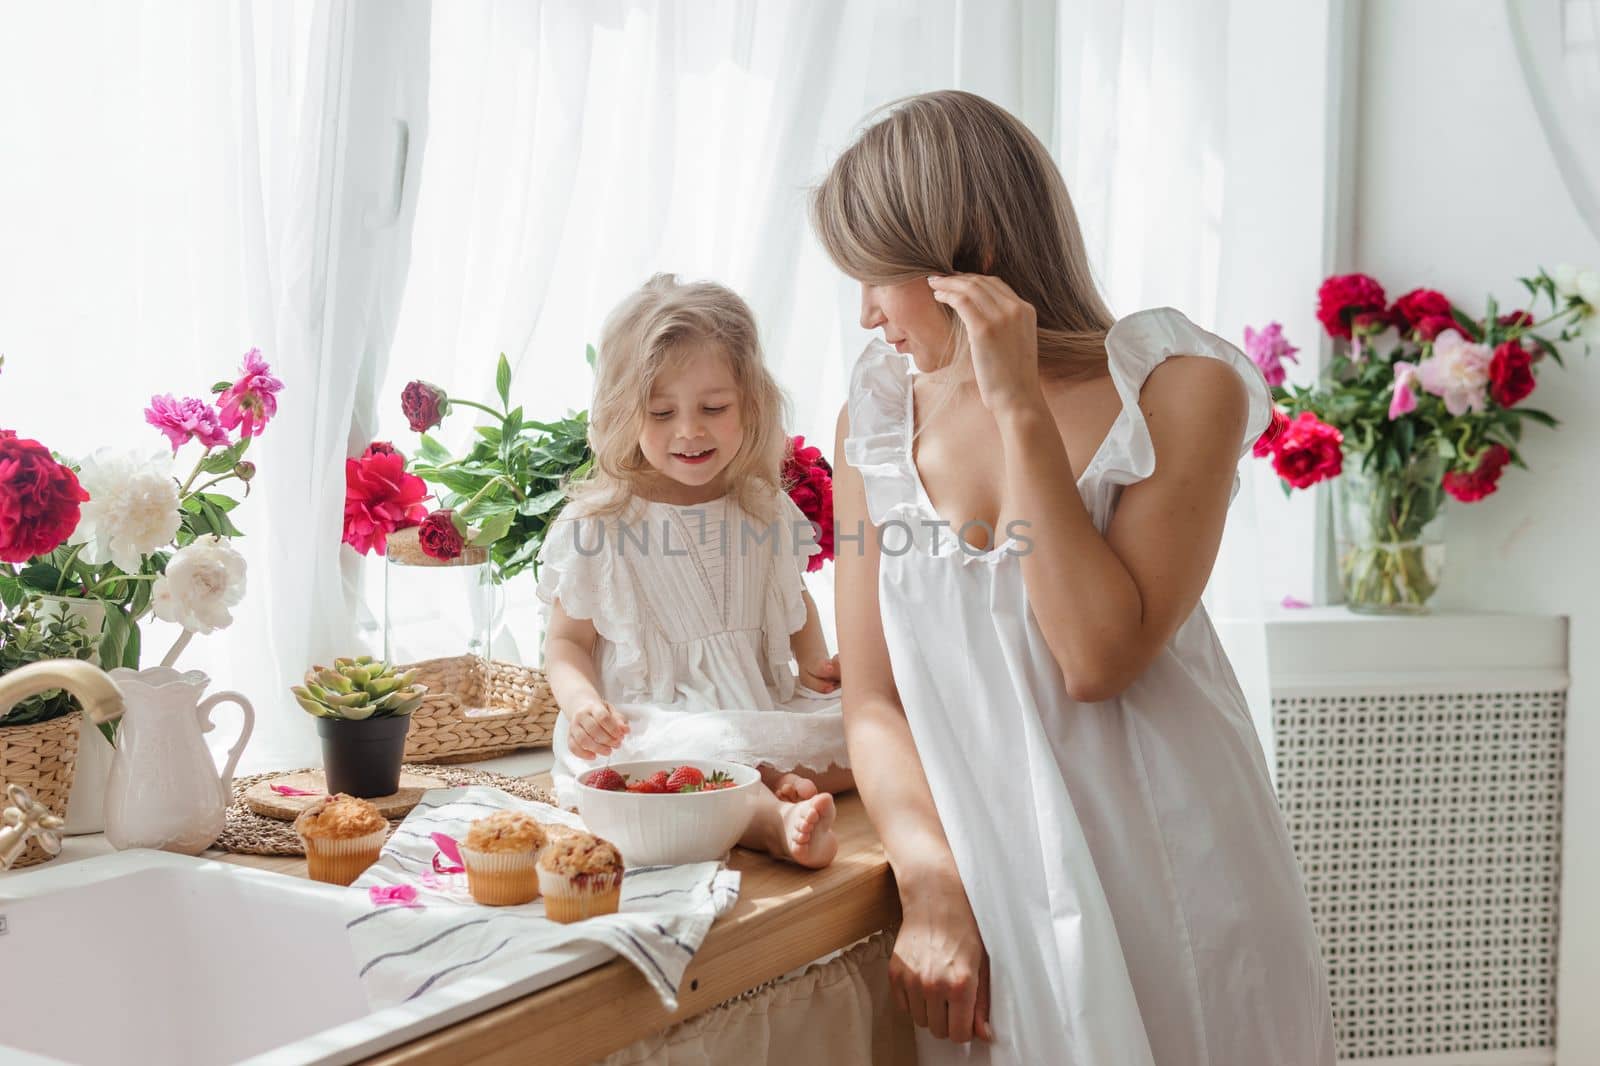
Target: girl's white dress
1126 860
694 606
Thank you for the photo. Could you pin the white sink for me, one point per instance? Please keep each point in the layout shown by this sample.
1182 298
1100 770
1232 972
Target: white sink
142 957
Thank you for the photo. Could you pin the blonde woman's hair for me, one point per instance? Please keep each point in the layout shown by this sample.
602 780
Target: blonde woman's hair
643 337
948 182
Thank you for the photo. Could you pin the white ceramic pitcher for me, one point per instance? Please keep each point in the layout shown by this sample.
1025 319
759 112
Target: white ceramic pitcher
164 791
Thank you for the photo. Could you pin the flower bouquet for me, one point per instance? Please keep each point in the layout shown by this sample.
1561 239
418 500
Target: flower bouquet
118 537
1419 400
808 479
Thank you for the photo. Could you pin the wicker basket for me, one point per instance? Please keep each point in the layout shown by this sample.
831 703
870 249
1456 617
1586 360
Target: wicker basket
41 758
477 709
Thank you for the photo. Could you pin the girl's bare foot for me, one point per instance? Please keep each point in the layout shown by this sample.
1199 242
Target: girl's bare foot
792 788
808 837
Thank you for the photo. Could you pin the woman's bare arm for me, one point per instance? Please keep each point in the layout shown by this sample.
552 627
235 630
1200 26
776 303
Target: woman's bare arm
1144 577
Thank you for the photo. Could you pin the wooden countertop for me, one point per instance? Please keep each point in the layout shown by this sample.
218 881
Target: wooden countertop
785 918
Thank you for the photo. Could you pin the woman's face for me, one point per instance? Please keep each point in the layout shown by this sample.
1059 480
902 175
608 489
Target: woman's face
911 320
692 428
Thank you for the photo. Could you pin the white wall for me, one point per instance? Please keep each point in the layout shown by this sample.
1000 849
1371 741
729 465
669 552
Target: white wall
1457 190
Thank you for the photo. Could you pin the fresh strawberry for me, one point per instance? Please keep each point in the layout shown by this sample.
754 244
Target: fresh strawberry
685 779
716 781
607 780
638 786
648 786
660 778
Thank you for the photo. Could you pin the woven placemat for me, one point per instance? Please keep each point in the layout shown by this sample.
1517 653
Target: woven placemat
248 833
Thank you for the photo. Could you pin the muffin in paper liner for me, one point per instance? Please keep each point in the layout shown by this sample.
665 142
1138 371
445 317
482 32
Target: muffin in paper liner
339 861
501 878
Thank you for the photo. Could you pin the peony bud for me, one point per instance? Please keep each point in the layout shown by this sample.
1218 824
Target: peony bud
424 405
244 470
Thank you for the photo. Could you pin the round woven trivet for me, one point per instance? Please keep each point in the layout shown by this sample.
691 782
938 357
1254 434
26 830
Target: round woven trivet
248 833
260 798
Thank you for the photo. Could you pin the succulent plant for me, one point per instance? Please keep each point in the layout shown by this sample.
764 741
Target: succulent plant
358 688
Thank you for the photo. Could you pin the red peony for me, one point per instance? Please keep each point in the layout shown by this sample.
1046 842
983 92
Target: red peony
1265 443
1419 304
439 536
380 447
1431 326
39 499
424 405
379 498
1307 451
1344 296
1517 319
1510 374
809 480
1482 480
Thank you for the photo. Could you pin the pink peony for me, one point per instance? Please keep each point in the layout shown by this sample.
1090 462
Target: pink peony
379 498
1404 401
1457 371
185 420
1268 349
250 402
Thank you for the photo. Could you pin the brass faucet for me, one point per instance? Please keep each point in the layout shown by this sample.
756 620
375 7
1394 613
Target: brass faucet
101 701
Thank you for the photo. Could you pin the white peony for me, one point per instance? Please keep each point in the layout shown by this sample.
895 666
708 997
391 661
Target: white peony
132 508
1566 278
202 581
1588 286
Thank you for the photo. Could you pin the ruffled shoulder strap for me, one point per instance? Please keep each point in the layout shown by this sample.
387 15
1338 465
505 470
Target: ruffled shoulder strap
1139 343
880 389
578 564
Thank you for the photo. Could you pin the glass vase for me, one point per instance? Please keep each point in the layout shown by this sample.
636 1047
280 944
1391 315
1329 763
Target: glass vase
1389 534
436 608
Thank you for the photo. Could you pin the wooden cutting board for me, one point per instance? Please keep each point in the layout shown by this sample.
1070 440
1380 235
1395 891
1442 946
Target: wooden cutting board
269 804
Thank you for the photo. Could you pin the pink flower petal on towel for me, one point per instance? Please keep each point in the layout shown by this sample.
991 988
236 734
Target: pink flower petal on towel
380 895
290 790
1293 602
447 848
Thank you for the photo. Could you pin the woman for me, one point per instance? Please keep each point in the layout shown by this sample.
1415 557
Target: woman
1044 728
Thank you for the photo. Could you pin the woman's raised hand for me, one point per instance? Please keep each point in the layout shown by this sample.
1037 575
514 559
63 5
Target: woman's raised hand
596 730
939 972
1004 335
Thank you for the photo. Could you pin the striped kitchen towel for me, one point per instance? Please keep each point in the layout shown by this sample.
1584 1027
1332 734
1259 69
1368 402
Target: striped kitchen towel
404 951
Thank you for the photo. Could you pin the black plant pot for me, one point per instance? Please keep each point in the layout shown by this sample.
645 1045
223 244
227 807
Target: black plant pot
362 758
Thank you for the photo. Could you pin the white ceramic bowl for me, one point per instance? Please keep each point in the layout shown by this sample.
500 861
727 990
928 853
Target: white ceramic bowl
671 828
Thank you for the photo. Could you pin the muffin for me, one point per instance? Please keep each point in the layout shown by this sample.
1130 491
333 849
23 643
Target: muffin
499 853
581 876
342 836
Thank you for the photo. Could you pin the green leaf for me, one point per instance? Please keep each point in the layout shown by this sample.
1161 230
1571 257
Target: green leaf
589 355
11 592
432 451
114 636
225 460
490 433
40 576
1544 418
1546 347
542 503
222 386
495 527
130 648
502 380
1468 326
219 501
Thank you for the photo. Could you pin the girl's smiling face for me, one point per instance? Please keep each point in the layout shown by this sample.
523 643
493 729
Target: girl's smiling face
692 427
911 320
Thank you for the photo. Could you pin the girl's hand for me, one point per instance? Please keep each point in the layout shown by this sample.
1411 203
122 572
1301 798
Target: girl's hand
821 676
939 972
1004 335
597 729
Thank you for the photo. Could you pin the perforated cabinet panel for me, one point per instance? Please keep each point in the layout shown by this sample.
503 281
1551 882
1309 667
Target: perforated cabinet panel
1428 827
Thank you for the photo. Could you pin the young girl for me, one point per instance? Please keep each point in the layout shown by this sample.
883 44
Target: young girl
673 576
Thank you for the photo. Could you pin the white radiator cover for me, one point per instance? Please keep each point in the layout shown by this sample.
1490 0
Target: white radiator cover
1419 767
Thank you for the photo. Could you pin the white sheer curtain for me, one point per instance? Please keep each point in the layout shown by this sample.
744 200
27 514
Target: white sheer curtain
575 149
1164 111
184 182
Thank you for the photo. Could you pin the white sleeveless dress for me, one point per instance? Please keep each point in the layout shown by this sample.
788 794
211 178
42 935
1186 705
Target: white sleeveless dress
1126 860
694 609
